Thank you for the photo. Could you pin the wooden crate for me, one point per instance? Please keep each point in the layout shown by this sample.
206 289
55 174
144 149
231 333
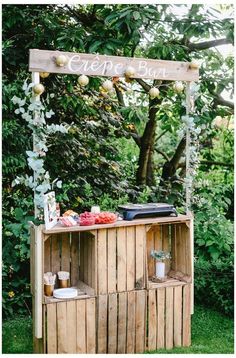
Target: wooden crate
71 326
121 259
174 238
114 323
169 317
72 252
107 260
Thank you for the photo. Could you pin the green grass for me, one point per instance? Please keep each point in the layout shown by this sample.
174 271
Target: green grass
17 335
211 333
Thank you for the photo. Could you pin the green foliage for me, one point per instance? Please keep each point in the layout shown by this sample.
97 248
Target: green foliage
16 253
214 239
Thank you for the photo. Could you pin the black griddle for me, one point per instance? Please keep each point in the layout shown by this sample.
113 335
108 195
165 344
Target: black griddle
140 211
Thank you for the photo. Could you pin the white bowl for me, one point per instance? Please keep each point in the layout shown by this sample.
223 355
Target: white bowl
65 293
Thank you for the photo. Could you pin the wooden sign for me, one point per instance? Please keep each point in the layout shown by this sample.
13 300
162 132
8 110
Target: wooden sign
110 66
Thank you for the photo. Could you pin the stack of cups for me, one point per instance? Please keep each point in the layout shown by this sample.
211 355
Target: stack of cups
63 277
49 282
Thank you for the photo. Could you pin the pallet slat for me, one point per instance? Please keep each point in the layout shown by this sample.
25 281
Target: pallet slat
111 260
186 315
169 317
121 259
55 254
71 326
81 326
102 324
91 326
165 245
161 318
152 320
62 327
140 321
112 323
102 261
122 320
47 255
130 347
140 256
65 252
74 276
130 235
51 329
177 315
150 247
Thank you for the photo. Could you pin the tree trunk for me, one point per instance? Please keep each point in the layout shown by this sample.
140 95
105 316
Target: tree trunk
170 167
145 172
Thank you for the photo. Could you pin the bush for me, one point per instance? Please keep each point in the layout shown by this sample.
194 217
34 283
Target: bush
16 253
213 247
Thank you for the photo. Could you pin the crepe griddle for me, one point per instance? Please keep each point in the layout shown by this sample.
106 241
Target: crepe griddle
139 211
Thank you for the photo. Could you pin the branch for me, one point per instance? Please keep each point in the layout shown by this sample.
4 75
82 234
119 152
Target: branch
159 137
86 19
136 138
223 102
209 163
120 96
219 100
143 84
208 44
163 154
178 153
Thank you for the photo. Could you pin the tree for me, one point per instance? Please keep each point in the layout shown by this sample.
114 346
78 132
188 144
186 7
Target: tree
119 29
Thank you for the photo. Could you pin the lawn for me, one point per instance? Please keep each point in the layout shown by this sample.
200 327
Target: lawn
211 333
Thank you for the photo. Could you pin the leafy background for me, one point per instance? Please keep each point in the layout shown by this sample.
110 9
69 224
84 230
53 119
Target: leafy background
101 159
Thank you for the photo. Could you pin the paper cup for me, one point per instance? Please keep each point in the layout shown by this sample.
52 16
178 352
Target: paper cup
48 290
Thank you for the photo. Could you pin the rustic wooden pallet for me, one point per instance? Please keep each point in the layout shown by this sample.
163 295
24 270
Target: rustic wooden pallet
121 305
169 318
125 322
114 323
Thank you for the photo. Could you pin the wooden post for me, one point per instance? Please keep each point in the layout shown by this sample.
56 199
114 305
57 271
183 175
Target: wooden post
35 80
38 283
188 199
192 263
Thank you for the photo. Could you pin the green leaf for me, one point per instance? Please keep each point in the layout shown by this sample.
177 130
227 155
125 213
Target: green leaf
19 214
94 46
136 15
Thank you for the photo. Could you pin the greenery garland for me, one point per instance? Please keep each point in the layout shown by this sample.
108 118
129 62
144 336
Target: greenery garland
35 112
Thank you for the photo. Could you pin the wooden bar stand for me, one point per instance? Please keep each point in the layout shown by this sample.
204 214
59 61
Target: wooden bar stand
119 308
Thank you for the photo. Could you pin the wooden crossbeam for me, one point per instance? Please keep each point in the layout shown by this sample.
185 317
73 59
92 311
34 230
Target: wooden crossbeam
111 66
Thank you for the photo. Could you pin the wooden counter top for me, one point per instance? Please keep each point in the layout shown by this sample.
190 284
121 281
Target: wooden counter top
148 221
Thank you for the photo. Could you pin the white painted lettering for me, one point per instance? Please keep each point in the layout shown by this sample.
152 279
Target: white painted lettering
142 68
119 69
73 63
